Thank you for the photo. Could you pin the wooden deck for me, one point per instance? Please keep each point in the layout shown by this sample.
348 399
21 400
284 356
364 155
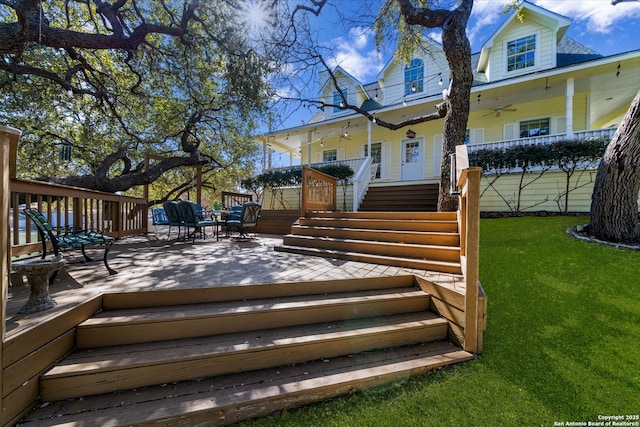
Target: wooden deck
339 309
154 263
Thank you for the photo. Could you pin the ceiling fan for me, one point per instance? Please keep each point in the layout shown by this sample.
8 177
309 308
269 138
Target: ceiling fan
499 110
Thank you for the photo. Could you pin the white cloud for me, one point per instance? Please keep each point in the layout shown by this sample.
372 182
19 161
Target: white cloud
357 54
600 15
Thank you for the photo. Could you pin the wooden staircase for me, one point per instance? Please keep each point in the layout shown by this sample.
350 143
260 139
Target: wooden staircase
222 355
404 198
420 240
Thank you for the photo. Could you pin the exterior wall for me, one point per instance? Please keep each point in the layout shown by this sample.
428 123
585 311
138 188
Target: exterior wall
355 96
545 47
435 66
554 108
292 199
543 194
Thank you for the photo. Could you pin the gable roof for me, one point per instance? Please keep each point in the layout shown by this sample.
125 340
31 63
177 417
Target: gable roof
551 19
342 71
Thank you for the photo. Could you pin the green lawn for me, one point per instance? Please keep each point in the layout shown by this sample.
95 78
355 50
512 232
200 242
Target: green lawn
562 341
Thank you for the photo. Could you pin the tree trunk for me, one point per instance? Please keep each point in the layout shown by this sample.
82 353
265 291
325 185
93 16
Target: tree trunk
458 52
614 203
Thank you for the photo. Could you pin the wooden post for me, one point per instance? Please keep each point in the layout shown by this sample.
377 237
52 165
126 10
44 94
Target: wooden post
472 259
8 150
199 184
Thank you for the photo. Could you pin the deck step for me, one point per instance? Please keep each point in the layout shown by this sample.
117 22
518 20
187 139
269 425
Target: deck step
107 369
389 223
134 325
440 266
422 216
390 249
233 398
422 238
408 198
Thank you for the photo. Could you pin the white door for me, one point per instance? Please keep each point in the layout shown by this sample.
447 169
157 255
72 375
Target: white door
412 159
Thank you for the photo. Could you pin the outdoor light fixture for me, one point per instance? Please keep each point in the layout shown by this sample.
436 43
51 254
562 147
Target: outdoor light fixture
411 134
413 87
440 82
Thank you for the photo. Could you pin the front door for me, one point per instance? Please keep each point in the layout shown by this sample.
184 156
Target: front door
412 159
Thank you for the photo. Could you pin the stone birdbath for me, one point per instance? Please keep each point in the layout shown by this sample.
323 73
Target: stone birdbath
38 272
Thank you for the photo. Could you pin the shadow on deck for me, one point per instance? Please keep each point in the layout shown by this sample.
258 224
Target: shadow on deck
227 269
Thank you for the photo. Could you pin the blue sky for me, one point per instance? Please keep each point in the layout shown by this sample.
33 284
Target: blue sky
597 24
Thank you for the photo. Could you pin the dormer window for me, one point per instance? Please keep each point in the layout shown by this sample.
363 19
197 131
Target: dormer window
414 77
338 100
521 53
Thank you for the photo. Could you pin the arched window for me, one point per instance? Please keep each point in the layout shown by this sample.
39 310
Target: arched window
414 77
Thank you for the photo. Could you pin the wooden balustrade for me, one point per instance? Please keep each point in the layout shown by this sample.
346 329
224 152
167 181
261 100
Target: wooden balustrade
468 183
230 199
319 191
71 207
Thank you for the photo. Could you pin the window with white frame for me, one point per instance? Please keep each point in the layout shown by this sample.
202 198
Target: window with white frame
337 100
537 127
521 53
414 77
330 155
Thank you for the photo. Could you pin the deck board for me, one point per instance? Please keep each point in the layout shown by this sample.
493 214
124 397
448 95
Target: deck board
149 262
256 392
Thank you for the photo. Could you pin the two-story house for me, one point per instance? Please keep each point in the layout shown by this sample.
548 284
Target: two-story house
532 85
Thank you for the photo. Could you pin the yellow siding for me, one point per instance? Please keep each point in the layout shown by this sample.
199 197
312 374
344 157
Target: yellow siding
292 199
545 194
552 107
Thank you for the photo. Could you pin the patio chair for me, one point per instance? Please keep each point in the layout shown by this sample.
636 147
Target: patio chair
248 219
70 239
192 217
158 217
173 215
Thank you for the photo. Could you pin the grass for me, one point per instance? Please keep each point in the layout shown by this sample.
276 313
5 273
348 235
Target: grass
562 342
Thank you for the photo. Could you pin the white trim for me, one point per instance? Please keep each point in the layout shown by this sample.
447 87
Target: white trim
536 56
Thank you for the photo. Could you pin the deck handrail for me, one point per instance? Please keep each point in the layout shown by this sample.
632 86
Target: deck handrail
468 184
65 206
230 199
361 181
319 191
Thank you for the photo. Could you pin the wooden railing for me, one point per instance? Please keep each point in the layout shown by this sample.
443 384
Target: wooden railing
468 184
71 207
319 191
230 199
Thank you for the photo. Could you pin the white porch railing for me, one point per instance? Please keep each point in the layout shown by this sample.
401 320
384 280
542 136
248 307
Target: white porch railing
543 140
361 180
354 163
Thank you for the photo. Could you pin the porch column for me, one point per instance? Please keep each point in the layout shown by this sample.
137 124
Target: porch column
309 135
264 154
569 108
369 138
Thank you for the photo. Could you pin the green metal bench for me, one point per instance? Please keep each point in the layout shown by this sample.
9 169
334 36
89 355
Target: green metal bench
69 239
